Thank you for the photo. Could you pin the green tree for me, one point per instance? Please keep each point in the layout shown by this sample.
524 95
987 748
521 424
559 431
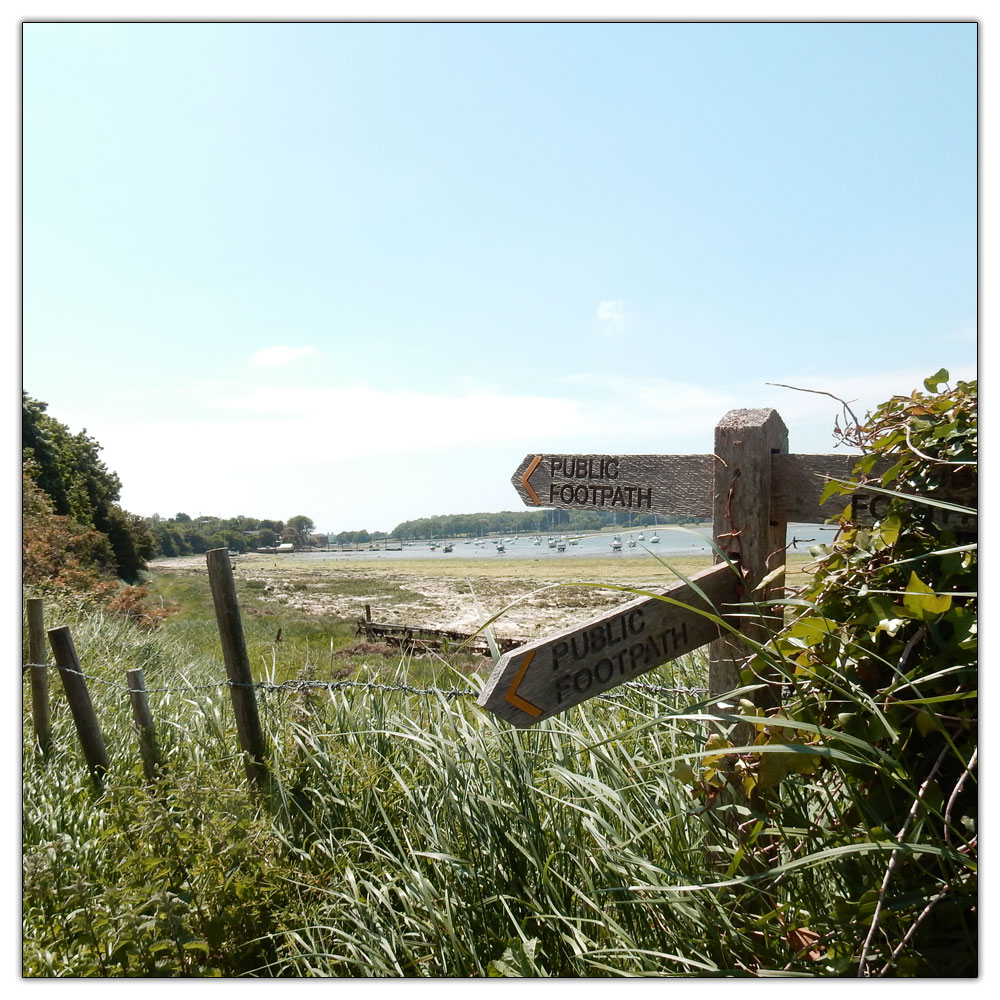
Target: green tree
68 469
301 527
164 538
236 540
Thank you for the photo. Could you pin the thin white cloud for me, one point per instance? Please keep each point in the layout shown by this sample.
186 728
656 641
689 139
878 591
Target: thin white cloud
275 357
611 316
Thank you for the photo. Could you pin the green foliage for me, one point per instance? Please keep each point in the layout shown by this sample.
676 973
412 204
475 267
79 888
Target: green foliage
68 470
880 662
194 893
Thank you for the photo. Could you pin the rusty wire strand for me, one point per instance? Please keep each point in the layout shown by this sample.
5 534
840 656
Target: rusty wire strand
306 685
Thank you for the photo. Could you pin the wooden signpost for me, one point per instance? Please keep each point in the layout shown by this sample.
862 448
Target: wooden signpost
750 488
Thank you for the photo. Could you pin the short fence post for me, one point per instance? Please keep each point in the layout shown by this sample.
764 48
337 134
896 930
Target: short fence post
39 673
234 652
78 696
144 722
745 440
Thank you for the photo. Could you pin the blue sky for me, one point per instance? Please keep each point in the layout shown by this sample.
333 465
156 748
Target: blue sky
358 271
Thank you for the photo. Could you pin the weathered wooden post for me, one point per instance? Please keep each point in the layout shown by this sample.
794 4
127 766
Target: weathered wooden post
78 696
744 529
143 722
234 652
39 673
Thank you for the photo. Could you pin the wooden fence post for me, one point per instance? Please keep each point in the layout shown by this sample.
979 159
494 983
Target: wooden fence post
143 722
78 696
39 673
234 652
745 440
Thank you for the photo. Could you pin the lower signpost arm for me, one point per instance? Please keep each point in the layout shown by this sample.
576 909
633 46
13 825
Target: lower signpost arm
548 676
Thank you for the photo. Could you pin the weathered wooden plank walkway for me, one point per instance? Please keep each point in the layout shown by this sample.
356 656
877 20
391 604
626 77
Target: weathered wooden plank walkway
416 637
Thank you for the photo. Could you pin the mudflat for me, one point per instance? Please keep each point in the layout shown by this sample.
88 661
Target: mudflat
535 597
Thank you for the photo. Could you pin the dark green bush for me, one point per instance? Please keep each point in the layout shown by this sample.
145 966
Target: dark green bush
879 664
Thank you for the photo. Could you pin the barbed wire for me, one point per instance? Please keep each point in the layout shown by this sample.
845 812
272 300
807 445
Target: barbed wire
309 685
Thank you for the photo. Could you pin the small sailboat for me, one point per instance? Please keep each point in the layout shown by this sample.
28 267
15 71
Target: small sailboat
616 544
654 538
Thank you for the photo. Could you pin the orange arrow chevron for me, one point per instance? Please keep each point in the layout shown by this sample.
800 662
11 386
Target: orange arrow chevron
511 695
527 475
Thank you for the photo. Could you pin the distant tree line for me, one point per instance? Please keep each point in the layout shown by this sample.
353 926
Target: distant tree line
183 535
537 522
363 537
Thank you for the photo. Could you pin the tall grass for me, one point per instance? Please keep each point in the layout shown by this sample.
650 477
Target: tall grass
411 834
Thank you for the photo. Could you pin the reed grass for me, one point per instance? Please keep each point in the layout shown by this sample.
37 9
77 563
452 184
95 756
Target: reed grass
410 834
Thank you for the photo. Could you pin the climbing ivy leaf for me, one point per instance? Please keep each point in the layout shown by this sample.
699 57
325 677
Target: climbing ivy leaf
922 601
932 382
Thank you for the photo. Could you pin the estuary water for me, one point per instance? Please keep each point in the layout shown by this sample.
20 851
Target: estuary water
689 540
